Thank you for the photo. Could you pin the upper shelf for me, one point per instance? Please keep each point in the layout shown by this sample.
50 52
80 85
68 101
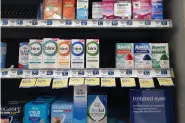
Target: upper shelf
121 24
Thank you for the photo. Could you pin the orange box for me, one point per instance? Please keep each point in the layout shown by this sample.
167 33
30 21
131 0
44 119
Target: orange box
69 9
52 9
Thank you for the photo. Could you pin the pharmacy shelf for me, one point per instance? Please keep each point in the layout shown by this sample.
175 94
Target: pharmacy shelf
35 23
85 73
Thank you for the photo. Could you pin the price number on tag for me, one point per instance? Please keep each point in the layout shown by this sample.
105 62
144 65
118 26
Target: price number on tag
129 72
92 81
164 72
108 82
43 82
19 22
49 73
68 22
27 83
35 73
49 22
129 23
5 22
83 23
100 23
4 74
114 23
19 73
76 81
146 83
165 82
164 22
128 82
147 23
60 83
34 22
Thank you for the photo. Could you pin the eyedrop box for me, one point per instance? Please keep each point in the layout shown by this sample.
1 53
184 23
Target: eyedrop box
37 111
142 9
64 53
97 10
23 55
3 54
69 9
142 55
52 9
124 55
77 53
92 53
50 48
62 112
157 9
97 109
35 54
108 9
80 104
82 9
122 9
160 55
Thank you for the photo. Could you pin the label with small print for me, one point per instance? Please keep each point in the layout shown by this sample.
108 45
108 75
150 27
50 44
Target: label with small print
165 82
78 73
12 73
60 83
92 73
92 81
76 81
43 82
146 83
127 73
27 83
128 82
108 82
27 73
144 74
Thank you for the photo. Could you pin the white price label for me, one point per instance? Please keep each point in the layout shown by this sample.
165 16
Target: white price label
27 73
162 73
144 73
92 73
43 73
4 74
12 73
78 73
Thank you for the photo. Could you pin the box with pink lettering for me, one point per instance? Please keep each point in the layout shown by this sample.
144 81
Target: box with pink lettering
108 9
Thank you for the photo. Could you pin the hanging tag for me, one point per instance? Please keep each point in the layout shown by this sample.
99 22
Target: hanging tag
27 83
146 83
128 82
92 81
43 82
76 81
165 82
60 83
108 82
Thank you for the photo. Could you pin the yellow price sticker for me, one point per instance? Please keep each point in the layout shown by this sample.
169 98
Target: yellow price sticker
108 82
76 81
165 82
92 81
43 82
60 83
27 83
146 83
128 82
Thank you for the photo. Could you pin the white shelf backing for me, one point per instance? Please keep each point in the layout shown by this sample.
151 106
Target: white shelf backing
34 23
87 73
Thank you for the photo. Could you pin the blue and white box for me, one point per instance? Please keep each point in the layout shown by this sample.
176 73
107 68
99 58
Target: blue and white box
143 56
157 9
23 55
80 104
62 112
82 9
3 54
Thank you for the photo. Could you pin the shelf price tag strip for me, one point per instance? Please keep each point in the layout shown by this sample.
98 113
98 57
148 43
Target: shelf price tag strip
146 83
60 83
165 82
43 82
108 82
27 83
128 82
76 81
92 81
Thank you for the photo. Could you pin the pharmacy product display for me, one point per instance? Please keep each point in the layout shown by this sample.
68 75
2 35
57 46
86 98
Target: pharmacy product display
3 54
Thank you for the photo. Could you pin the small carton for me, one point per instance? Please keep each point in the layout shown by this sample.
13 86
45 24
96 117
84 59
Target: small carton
142 9
50 48
23 55
142 55
157 9
35 54
69 9
82 9
124 55
122 9
97 10
3 54
64 53
160 55
97 109
62 112
108 9
77 53
92 53
52 9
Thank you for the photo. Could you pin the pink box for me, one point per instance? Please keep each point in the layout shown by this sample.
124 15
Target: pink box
142 9
108 9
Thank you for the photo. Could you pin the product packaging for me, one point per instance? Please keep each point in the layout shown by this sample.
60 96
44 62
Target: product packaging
40 9
160 55
142 9
157 9
108 9
69 9
77 53
80 104
97 109
52 9
92 53
3 54
35 54
97 10
50 48
124 55
62 112
23 55
64 54
122 9
142 55
82 9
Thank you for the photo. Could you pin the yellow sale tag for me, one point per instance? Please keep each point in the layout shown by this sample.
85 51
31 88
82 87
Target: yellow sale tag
92 81
27 83
128 82
146 83
43 82
76 81
108 82
60 83
165 82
